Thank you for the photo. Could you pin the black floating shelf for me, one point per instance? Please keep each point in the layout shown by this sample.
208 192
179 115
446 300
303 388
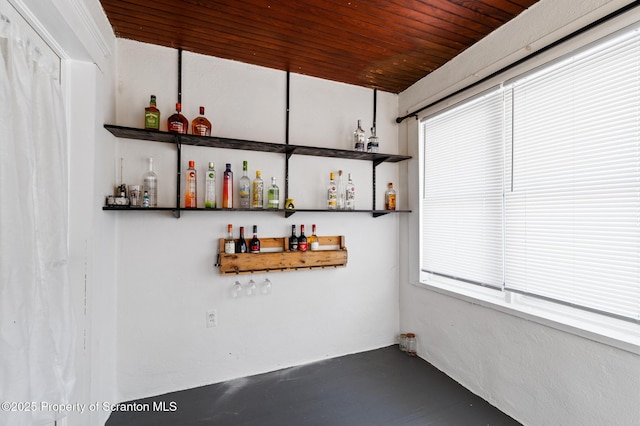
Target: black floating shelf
246 145
287 212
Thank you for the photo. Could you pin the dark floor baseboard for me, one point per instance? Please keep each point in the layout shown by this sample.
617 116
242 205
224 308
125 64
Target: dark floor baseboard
379 387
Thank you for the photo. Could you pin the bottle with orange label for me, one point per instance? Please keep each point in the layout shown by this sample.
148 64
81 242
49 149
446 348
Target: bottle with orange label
191 190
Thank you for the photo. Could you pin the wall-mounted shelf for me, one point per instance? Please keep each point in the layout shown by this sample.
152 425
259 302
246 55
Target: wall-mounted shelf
276 257
247 145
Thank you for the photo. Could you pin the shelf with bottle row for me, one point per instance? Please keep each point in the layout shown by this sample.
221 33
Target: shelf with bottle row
248 145
276 257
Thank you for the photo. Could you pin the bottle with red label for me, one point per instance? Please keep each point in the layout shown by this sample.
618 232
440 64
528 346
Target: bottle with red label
177 123
302 240
254 244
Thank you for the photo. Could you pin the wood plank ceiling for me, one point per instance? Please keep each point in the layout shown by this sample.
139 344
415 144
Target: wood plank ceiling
383 44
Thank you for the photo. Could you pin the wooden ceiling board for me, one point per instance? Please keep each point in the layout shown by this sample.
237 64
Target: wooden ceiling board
383 44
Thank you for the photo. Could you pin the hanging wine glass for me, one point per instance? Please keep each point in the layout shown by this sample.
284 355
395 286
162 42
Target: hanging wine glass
236 290
265 287
251 289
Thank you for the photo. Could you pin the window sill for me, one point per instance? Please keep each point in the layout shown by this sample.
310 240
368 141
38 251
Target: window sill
615 333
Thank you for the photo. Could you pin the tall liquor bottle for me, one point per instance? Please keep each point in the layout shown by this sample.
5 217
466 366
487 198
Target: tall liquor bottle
227 188
372 143
210 188
241 245
293 239
312 241
244 188
258 192
302 240
191 188
390 198
359 138
152 115
332 193
273 195
254 245
350 192
177 123
229 243
200 125
150 183
341 193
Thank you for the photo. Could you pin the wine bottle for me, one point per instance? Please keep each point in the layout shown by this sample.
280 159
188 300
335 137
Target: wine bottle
177 123
210 188
312 241
191 192
258 192
229 243
302 240
293 240
390 198
152 115
358 138
200 125
350 195
244 188
241 244
227 188
273 195
332 193
254 245
150 183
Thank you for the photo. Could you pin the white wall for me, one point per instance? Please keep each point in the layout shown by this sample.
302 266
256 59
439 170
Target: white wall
535 373
166 279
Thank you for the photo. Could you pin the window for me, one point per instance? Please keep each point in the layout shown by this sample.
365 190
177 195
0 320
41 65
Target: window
534 188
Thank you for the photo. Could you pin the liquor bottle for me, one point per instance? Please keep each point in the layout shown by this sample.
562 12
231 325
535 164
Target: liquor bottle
312 241
390 198
210 188
245 188
191 188
145 200
358 138
227 188
177 123
273 195
293 240
229 243
200 125
241 244
350 195
372 143
150 181
302 240
341 193
152 115
332 193
254 245
258 191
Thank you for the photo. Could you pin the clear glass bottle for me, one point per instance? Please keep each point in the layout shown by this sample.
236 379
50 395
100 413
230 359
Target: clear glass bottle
403 342
302 240
241 244
273 195
373 144
293 239
341 193
152 115
191 188
177 123
412 349
350 193
390 198
200 125
254 245
150 183
210 188
229 243
227 188
312 241
332 193
359 138
244 188
258 192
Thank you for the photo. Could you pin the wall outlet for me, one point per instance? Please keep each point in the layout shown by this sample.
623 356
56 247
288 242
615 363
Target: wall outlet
212 318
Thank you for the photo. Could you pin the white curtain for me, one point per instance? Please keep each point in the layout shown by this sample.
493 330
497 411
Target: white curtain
36 322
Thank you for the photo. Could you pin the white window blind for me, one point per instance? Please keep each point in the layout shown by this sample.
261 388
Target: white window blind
572 215
462 202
